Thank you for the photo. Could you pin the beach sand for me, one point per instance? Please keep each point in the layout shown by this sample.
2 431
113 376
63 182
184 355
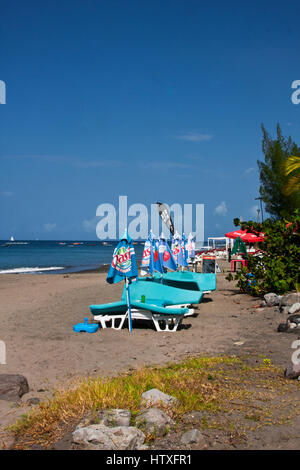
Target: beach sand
37 314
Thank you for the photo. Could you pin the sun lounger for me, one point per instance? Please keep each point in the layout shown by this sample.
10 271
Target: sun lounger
204 282
165 306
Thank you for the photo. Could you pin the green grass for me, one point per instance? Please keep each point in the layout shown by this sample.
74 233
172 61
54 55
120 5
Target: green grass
212 384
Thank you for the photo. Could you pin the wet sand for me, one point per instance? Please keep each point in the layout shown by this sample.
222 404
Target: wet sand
37 314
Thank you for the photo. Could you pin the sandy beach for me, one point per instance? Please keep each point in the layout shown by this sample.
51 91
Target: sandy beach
37 314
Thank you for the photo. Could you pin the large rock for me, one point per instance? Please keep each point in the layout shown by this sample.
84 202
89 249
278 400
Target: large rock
193 436
289 299
292 371
12 386
271 299
154 421
156 397
294 308
101 437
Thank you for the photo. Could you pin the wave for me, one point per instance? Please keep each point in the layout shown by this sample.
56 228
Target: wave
30 270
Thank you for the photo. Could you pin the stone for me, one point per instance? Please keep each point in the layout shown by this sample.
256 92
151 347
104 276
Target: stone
12 386
292 371
101 437
115 417
195 415
271 299
111 418
154 421
33 401
156 397
282 327
289 299
294 308
284 309
194 436
294 318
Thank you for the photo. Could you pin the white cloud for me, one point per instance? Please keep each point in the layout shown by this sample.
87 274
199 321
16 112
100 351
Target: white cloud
159 165
221 209
249 170
49 227
194 137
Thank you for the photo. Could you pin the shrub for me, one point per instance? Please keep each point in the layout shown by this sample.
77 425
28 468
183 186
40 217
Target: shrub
276 268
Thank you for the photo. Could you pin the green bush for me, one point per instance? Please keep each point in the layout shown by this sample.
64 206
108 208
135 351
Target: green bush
276 269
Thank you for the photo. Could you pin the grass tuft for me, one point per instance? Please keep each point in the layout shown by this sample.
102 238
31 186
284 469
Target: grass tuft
211 384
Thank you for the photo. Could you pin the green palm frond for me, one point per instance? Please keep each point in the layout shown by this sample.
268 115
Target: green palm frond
291 165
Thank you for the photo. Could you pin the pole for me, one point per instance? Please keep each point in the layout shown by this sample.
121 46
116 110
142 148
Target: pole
128 304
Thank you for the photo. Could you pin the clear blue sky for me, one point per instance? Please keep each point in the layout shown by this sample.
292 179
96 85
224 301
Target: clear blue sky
159 100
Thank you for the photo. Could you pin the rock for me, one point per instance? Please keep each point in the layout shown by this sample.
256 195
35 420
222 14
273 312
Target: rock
154 421
289 299
294 308
282 327
115 417
33 401
101 437
111 418
193 436
271 299
292 371
195 415
156 397
284 309
294 318
12 386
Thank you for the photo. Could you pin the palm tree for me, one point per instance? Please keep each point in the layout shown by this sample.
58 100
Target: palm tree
292 165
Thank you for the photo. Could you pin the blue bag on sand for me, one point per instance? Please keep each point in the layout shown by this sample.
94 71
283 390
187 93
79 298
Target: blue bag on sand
86 327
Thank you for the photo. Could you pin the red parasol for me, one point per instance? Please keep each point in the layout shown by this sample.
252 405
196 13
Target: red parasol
245 236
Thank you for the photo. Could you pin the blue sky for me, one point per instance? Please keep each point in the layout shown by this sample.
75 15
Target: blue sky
159 100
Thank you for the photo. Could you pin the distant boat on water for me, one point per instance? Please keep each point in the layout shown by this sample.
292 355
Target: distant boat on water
13 242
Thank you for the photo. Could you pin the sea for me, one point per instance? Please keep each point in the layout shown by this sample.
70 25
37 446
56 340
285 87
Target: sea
57 257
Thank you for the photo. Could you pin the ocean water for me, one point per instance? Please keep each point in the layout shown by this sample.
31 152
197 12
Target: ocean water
52 257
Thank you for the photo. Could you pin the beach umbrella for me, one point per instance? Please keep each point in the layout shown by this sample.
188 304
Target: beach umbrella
151 260
247 237
190 246
166 255
146 255
182 255
239 247
124 266
175 246
155 260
